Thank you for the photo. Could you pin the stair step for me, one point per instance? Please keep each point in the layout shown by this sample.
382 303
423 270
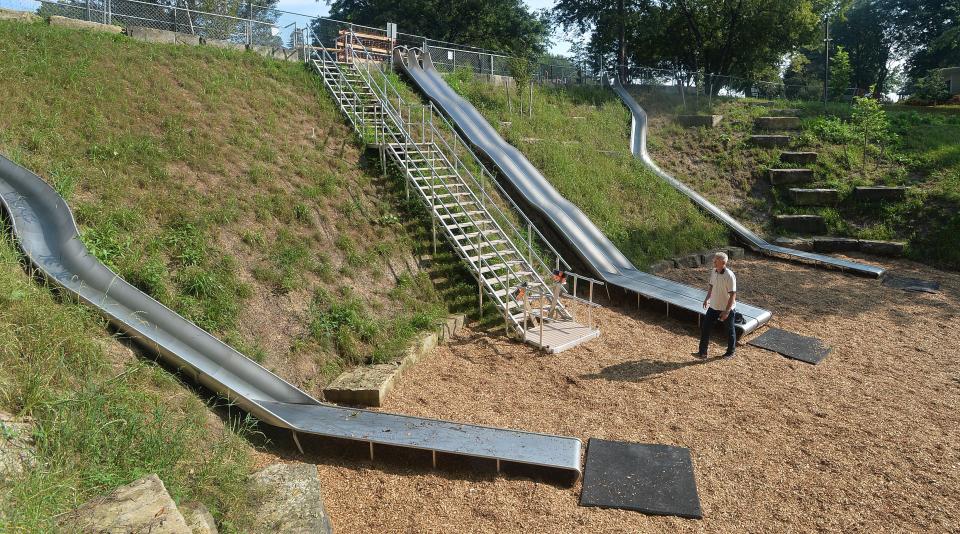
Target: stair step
880 193
482 244
460 214
451 195
471 224
467 204
801 224
770 140
814 197
790 176
798 157
498 266
442 186
472 235
777 123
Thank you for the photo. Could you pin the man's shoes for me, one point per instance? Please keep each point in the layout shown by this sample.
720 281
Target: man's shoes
699 355
728 355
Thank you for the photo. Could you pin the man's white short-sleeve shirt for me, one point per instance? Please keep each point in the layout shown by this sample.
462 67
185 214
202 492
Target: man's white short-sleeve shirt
723 283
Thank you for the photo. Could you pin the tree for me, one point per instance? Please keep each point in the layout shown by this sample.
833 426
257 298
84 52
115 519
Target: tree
604 18
840 73
869 122
926 31
738 37
502 25
931 88
864 32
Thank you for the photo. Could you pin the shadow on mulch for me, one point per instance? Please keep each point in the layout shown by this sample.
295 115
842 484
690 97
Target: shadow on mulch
639 370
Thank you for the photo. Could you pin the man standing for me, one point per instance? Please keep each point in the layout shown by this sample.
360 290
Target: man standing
720 303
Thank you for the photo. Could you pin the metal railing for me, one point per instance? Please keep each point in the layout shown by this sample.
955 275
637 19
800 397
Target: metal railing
436 129
401 136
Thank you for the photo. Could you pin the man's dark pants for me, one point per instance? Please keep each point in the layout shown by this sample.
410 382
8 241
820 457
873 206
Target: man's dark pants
706 324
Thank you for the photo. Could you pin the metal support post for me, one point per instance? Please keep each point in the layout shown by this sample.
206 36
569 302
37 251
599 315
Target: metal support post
297 441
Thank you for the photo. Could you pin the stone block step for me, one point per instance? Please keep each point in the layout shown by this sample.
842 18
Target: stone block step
796 243
879 194
814 197
785 112
883 248
693 121
790 176
769 141
835 244
801 224
842 244
777 123
798 157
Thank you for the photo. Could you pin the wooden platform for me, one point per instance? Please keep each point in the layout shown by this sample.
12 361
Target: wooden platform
559 336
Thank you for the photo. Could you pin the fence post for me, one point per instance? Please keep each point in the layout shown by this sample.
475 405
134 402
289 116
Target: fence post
249 23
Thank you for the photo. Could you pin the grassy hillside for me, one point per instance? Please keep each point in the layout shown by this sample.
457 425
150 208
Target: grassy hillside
923 154
103 416
579 139
226 186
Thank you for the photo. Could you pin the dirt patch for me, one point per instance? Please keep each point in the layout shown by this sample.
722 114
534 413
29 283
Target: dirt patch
868 439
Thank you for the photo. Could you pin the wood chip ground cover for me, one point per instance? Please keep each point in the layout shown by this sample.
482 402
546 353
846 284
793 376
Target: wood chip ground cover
867 441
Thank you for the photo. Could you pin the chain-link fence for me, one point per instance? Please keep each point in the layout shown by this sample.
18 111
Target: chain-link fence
243 22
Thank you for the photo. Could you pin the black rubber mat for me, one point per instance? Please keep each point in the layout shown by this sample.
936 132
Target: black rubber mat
910 284
803 348
653 479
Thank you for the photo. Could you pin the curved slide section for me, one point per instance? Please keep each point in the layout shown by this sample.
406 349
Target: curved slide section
48 235
591 245
638 145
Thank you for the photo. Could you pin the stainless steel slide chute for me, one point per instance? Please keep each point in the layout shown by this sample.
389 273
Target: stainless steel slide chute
638 145
44 226
573 226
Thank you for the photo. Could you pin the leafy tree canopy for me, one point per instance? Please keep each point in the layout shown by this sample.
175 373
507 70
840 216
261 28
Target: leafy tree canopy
502 25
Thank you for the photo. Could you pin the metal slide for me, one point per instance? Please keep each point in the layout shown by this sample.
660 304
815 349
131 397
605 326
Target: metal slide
638 145
48 235
591 245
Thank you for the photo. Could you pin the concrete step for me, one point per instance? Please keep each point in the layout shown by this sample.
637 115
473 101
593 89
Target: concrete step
879 194
835 244
777 123
814 197
694 121
842 244
790 176
883 248
801 224
796 243
798 157
770 141
785 112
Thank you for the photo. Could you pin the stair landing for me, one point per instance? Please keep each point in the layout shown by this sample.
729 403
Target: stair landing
559 336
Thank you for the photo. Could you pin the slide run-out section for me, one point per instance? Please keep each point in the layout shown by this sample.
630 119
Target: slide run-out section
47 233
590 244
638 145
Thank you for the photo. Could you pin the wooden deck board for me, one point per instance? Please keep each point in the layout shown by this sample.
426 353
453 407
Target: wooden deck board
560 335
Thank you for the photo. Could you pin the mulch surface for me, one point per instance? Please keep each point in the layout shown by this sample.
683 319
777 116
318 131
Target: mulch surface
869 440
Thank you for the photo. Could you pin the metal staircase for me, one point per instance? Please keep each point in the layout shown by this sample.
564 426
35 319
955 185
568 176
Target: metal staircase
450 182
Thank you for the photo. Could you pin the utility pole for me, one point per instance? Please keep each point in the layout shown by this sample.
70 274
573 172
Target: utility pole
826 59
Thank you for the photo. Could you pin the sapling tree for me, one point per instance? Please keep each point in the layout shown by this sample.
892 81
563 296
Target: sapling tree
870 123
